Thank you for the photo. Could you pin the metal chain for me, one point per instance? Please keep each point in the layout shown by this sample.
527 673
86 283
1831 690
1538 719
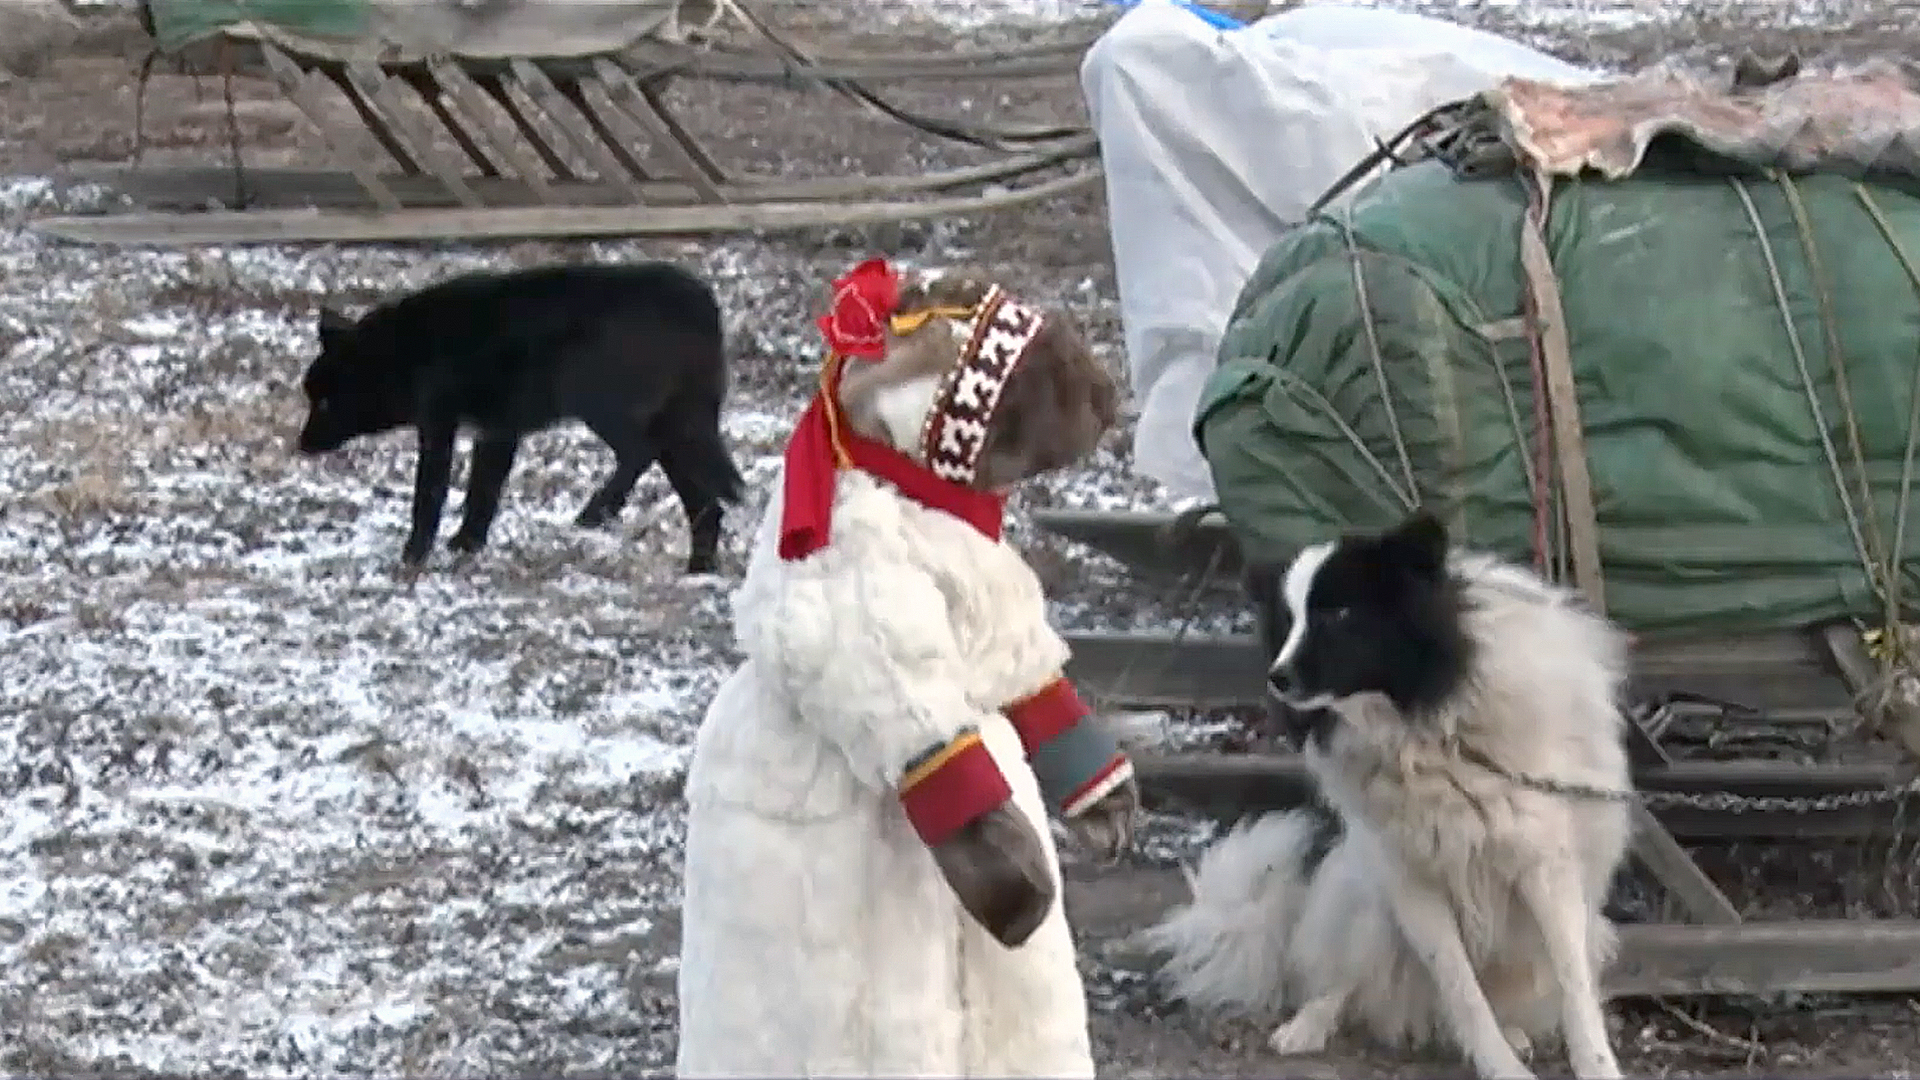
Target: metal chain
1715 801
1721 801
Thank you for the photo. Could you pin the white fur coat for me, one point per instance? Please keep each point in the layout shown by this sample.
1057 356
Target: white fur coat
819 938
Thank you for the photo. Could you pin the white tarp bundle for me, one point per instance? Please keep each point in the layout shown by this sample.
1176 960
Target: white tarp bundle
1215 141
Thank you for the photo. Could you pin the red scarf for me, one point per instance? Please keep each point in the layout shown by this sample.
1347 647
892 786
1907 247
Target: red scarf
813 466
855 326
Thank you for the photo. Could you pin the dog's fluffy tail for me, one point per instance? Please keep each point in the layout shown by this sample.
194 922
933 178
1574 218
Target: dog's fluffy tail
1227 948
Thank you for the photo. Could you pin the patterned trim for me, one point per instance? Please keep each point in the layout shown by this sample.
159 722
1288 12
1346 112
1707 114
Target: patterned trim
955 434
938 758
951 786
1074 756
1118 771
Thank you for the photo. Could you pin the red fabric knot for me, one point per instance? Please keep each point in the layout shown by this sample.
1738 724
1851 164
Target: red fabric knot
863 300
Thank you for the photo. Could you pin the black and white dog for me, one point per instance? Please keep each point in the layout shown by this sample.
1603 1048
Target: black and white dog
1434 895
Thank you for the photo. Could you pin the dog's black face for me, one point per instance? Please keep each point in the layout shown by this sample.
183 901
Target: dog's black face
1375 614
348 394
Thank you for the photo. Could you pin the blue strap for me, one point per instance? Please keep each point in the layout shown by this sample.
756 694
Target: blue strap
1210 17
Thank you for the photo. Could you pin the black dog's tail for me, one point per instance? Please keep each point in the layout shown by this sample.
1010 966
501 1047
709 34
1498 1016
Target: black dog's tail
728 484
703 450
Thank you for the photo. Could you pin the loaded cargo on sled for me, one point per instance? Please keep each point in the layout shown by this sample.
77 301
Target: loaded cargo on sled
1658 336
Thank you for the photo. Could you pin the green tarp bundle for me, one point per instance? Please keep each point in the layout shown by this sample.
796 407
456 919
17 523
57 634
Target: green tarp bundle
1720 509
405 30
180 22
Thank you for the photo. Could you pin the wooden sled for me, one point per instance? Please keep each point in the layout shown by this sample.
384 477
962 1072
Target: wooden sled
451 148
1786 678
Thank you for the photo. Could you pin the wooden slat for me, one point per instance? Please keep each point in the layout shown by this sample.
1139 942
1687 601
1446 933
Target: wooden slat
474 105
567 118
317 226
618 86
1760 958
381 95
374 121
1764 671
1660 853
1054 59
1894 717
681 135
1207 671
435 98
303 89
1229 786
500 90
595 114
1811 956
1047 61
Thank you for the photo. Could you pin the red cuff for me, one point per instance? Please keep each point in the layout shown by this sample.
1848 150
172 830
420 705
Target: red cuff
1042 717
952 786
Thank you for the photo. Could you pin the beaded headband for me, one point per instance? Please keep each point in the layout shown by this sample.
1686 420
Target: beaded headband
955 433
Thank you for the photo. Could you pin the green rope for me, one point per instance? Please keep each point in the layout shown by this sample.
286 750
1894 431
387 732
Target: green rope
1897 644
1885 565
1373 347
1806 376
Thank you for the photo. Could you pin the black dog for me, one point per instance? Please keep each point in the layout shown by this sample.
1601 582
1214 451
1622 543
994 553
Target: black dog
632 351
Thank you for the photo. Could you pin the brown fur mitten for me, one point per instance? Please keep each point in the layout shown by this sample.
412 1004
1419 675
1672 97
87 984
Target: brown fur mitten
962 808
1106 827
997 865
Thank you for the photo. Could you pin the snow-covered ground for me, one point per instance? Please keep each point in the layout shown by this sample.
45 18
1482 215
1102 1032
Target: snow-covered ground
265 809
239 748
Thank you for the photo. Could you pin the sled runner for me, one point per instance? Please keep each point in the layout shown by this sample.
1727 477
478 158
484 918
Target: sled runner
555 118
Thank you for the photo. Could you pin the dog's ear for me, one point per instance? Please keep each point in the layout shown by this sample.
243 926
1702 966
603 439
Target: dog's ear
1418 545
332 325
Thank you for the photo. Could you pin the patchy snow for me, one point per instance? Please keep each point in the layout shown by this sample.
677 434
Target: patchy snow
265 809
976 14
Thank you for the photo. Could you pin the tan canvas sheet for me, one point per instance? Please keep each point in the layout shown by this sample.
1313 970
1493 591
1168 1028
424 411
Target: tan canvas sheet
1852 119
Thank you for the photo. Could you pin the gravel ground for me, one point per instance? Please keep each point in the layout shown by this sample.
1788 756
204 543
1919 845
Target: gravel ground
265 812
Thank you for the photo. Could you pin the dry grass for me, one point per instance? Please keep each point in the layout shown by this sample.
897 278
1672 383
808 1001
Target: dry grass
103 458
